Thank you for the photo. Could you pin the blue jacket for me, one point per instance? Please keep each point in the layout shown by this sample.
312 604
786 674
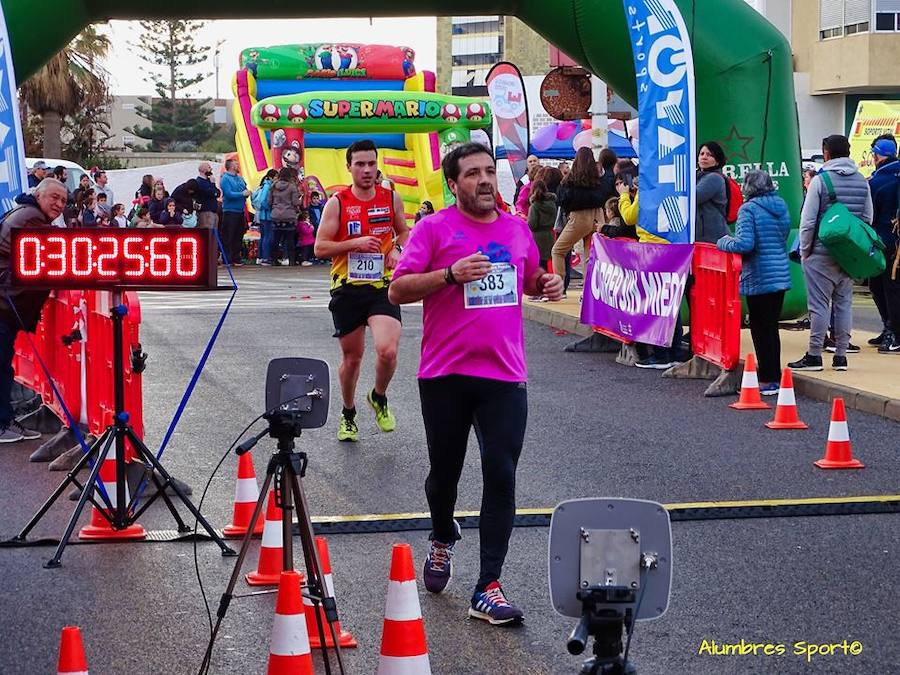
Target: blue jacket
762 228
207 195
885 187
233 187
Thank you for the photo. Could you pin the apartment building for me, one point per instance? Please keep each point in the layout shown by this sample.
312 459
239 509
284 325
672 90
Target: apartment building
845 51
467 47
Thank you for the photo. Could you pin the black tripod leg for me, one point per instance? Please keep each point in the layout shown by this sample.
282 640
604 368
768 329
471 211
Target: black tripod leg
70 478
160 492
228 594
138 445
89 487
319 593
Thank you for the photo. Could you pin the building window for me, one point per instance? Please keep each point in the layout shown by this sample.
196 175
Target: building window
844 17
128 106
477 59
887 15
477 27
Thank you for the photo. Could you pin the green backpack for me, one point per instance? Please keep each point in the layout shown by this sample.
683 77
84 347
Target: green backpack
853 244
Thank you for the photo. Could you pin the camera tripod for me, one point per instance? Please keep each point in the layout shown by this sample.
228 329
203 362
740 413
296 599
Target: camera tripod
606 625
288 468
121 514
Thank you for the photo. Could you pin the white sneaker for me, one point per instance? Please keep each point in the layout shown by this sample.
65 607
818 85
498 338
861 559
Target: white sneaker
306 263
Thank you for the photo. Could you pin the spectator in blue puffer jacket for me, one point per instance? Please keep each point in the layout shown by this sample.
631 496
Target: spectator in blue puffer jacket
885 186
760 237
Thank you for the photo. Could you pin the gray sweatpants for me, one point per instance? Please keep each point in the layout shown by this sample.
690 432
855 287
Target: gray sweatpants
827 285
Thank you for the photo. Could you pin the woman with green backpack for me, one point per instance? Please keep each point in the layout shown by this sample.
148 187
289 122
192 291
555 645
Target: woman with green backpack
834 228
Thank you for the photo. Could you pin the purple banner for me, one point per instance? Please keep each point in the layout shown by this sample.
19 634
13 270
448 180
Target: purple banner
634 290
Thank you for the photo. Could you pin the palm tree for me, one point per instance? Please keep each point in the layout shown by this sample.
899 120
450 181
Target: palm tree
72 79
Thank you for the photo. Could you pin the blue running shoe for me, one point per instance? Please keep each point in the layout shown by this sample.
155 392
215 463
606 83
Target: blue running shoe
438 566
492 606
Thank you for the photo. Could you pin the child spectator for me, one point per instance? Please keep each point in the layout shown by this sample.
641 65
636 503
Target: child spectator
142 217
615 227
117 216
103 207
170 215
306 238
86 211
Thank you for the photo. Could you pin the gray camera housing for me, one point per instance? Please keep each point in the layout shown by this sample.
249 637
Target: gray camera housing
603 542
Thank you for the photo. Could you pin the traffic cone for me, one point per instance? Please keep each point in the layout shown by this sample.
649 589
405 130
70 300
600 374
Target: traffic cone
246 494
838 453
289 648
271 555
786 416
750 397
100 527
403 647
315 641
71 653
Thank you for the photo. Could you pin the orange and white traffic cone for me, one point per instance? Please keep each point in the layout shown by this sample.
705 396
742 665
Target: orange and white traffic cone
404 650
750 397
786 416
71 653
838 452
289 648
345 639
246 494
99 527
271 549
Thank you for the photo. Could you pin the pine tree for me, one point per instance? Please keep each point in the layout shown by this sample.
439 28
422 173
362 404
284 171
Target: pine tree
169 47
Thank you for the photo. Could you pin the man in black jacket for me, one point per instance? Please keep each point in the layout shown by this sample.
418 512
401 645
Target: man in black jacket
207 196
20 309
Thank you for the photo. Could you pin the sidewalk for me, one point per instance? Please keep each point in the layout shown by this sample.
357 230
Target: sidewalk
872 383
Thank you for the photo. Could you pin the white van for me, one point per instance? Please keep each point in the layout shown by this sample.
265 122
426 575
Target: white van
74 171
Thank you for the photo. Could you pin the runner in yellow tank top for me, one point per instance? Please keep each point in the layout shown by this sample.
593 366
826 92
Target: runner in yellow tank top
363 230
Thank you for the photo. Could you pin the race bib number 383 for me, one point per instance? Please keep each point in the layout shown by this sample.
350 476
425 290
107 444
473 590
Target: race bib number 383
500 288
365 266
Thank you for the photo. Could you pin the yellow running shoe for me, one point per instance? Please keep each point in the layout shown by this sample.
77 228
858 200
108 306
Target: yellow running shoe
383 415
347 430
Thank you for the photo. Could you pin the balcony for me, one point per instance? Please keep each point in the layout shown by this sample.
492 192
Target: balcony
865 62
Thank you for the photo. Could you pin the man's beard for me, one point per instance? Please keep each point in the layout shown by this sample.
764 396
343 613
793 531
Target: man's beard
472 204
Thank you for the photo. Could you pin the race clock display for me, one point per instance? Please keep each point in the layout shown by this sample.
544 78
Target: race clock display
102 258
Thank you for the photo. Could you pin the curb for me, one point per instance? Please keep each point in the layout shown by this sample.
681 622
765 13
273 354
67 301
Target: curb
820 390
855 399
558 320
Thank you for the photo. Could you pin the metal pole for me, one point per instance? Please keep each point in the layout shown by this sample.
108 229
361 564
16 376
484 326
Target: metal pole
121 418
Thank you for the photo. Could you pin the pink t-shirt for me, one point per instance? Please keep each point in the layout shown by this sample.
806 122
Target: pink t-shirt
484 342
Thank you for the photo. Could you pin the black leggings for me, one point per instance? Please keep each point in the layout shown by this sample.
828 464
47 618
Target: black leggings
764 312
498 410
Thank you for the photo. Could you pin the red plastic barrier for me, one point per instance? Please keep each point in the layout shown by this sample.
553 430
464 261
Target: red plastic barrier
716 306
75 338
59 320
99 365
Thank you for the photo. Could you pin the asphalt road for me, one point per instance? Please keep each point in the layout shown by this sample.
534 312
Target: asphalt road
595 429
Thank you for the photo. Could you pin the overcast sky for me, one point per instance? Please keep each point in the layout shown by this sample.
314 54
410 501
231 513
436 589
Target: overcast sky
125 65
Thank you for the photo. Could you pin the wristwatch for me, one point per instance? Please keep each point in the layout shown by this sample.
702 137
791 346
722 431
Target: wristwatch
398 247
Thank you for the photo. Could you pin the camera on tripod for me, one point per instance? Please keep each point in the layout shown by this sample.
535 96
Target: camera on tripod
296 395
610 565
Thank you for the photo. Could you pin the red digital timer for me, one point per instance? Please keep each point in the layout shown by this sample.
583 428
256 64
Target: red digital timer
102 258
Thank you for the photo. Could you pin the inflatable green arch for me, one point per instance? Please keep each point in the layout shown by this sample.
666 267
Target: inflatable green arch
743 65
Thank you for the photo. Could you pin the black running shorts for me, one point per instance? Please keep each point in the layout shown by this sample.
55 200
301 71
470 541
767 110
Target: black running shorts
351 307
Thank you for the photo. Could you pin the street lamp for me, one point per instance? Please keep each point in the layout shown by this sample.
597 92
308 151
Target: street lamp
216 51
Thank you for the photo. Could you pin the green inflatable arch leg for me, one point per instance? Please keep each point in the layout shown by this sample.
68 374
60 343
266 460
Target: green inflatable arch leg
743 65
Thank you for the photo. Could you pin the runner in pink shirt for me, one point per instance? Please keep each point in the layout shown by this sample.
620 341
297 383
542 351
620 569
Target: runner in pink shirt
472 264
